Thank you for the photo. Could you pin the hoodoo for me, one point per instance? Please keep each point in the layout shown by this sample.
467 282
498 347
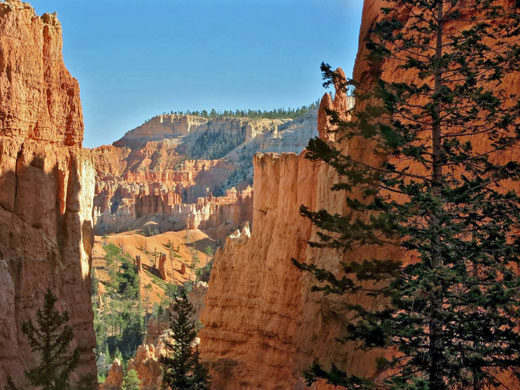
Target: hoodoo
182 171
47 188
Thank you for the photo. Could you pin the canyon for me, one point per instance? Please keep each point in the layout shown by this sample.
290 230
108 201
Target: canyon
237 183
47 184
268 312
179 171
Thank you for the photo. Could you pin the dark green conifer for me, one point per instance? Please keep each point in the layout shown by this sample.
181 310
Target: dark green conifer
51 338
200 377
182 369
443 186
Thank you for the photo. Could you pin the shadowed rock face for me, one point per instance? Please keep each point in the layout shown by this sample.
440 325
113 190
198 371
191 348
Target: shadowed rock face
263 326
46 188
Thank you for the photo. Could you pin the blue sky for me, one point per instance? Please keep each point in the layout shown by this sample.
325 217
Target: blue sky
138 58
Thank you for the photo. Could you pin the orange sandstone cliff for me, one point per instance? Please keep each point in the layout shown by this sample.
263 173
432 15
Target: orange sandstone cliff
263 325
46 188
184 171
154 183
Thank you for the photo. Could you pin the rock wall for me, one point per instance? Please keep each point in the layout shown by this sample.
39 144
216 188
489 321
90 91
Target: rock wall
160 127
262 323
150 181
153 182
124 174
176 159
46 189
160 211
263 326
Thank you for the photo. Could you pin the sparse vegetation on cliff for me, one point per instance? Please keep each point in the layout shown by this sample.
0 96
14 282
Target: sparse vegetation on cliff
441 188
119 322
131 381
215 145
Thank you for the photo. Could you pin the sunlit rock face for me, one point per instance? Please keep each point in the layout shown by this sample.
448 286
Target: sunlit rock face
46 189
184 171
114 379
263 325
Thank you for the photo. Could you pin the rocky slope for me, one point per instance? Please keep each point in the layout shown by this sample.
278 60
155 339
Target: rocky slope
164 258
46 188
146 361
263 326
184 171
157 266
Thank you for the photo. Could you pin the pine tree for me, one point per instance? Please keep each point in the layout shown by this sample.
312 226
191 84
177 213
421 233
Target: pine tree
95 285
194 259
443 187
118 355
200 377
131 381
51 338
147 288
182 369
120 322
107 355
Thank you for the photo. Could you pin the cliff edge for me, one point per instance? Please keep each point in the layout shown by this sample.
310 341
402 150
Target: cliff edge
46 189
